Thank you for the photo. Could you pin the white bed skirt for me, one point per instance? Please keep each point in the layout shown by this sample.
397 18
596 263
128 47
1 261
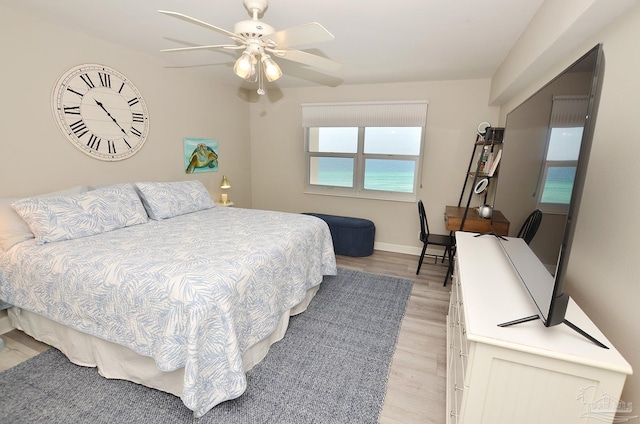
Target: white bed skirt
119 362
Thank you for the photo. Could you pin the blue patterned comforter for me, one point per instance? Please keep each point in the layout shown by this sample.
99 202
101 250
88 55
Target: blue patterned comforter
193 291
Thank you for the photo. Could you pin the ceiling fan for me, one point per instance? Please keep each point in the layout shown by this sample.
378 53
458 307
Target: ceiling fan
258 40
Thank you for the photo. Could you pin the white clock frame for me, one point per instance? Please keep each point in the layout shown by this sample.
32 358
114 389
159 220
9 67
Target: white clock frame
100 111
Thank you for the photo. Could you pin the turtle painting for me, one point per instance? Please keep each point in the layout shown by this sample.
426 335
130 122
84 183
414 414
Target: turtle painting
202 156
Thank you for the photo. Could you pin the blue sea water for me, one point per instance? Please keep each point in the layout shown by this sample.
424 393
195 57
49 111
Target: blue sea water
559 184
380 174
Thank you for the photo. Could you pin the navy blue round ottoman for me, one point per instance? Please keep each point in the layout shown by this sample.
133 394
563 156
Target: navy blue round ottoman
351 236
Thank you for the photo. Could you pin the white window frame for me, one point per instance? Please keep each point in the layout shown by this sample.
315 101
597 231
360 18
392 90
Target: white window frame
363 115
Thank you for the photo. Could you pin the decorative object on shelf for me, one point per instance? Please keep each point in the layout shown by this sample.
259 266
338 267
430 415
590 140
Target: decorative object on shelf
482 128
100 111
200 155
257 39
481 186
495 163
485 211
224 198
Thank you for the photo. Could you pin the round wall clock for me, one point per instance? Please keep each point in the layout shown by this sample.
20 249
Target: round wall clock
100 112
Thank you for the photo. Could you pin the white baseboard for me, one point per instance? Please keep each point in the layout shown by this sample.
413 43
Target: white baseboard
408 250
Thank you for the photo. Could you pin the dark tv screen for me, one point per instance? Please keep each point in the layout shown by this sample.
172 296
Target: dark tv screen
546 149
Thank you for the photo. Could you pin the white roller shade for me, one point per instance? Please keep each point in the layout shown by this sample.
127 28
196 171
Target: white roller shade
569 111
365 114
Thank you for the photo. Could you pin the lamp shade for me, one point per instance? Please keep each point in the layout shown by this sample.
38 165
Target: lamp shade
243 66
225 182
271 69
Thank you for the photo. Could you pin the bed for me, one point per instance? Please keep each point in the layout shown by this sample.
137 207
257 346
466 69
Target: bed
156 284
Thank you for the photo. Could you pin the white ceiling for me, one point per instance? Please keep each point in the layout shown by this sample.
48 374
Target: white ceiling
378 41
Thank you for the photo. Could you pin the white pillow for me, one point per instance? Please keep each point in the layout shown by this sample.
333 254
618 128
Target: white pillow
94 212
14 229
166 200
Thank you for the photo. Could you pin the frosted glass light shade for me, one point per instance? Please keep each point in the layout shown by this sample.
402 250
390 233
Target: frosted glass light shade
243 65
271 69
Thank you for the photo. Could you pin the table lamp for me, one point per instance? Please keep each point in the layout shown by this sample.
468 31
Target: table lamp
224 185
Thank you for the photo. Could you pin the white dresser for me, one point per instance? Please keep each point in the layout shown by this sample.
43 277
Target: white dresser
525 373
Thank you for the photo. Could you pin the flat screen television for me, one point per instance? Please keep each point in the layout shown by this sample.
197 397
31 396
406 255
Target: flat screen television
546 148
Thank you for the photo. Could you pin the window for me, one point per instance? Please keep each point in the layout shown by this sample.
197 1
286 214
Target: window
561 157
378 156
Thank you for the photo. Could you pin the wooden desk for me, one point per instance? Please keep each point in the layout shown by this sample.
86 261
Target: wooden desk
475 224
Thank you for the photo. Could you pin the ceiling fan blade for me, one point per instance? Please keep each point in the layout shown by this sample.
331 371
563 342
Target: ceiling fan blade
307 59
219 46
309 33
203 24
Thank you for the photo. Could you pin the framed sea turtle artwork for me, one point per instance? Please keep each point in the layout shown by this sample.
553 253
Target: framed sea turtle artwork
200 155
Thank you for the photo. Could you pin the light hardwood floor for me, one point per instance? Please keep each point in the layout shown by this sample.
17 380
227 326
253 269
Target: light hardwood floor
416 387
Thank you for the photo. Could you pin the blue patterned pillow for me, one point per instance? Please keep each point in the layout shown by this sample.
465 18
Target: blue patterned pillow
165 200
13 229
94 212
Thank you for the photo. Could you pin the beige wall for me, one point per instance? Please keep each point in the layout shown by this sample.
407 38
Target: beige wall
604 268
261 147
34 156
277 154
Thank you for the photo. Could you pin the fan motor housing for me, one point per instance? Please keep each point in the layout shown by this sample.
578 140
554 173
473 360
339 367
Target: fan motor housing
252 29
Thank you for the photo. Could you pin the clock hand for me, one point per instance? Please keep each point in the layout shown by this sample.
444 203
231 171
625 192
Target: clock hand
109 115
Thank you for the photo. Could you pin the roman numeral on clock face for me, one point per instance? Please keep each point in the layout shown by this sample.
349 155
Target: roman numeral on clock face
72 110
137 117
135 132
133 101
79 128
87 80
105 79
75 92
94 142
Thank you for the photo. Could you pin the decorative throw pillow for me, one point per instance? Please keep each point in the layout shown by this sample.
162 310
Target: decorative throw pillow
166 200
14 229
94 212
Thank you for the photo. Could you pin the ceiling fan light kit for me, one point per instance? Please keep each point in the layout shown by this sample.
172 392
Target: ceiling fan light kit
271 68
244 65
258 39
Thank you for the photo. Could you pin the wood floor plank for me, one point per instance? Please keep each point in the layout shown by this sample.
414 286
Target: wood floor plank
416 385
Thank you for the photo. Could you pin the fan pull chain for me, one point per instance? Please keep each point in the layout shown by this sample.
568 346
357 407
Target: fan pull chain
260 78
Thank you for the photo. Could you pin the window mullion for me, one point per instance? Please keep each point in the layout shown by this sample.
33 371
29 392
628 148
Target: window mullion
359 162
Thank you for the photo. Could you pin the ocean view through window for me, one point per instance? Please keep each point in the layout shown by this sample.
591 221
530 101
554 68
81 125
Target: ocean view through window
365 149
380 162
560 169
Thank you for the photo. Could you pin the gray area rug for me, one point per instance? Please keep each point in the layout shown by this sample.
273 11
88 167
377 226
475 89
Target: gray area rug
331 367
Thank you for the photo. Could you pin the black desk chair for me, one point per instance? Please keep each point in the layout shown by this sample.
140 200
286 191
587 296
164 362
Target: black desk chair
530 226
436 239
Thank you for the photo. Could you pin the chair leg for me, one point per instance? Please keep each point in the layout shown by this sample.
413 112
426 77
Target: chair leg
447 253
446 277
424 249
450 267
